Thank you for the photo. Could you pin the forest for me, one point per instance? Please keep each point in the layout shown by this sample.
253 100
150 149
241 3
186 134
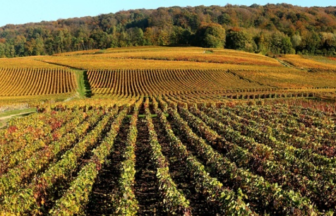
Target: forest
271 29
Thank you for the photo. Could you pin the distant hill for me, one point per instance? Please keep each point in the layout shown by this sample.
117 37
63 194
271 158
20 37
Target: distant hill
268 29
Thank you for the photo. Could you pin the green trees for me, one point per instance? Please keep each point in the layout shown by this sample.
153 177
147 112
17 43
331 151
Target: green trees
240 40
136 36
296 41
281 44
277 29
328 40
224 19
39 46
310 43
236 39
2 50
210 35
19 42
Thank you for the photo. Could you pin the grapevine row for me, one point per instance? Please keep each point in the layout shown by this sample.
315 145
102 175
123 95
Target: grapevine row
148 82
255 187
174 201
126 201
26 82
77 196
33 194
211 187
263 160
26 151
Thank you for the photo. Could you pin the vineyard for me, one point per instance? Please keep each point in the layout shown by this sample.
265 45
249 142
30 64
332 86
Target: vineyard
146 71
167 131
161 156
28 82
154 82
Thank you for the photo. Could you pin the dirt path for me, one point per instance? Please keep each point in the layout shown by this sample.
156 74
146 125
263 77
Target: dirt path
248 80
201 206
11 116
5 119
180 174
72 97
105 188
289 65
146 186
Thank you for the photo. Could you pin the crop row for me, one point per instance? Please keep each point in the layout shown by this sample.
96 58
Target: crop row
148 82
26 82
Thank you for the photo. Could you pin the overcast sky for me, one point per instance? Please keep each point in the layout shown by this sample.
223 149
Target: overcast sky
24 11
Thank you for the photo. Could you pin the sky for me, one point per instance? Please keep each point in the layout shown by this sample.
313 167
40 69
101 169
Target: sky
24 11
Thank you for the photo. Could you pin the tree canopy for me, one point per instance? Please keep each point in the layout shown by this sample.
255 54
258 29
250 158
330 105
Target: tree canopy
210 35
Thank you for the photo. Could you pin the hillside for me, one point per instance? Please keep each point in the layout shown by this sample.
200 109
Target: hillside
268 29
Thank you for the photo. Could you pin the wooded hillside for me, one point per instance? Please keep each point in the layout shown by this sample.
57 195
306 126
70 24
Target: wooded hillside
269 29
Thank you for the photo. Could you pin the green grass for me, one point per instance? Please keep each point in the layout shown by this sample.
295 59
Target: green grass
83 89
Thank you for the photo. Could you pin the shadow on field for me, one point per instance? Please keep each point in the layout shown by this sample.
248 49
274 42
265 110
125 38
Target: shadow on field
88 92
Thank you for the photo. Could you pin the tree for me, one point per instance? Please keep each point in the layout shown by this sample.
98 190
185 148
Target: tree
224 19
101 38
2 50
328 41
180 36
135 36
280 44
286 46
29 47
150 36
311 42
19 45
310 30
236 39
38 47
210 35
296 41
164 37
260 40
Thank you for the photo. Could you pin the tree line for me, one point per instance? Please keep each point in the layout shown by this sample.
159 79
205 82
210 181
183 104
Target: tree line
268 29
